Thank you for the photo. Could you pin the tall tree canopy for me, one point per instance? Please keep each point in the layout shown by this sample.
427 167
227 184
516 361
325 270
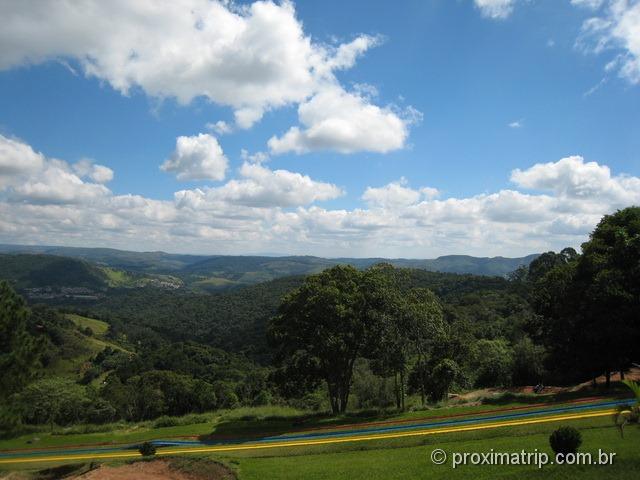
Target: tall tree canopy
18 349
320 330
589 304
342 314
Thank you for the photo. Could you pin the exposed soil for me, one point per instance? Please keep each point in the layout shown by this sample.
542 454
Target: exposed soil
157 470
477 395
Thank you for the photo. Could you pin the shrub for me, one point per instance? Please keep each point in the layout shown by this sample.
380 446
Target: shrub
166 421
565 440
147 449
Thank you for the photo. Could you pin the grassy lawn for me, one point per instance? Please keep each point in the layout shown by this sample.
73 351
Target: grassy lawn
399 460
98 327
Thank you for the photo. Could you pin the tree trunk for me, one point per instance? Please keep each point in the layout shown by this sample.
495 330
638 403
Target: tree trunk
333 399
422 369
607 379
344 399
402 388
621 373
396 389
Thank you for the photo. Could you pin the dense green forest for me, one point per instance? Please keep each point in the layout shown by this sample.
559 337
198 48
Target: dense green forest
340 339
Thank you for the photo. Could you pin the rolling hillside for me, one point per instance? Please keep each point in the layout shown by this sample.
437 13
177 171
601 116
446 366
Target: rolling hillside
212 273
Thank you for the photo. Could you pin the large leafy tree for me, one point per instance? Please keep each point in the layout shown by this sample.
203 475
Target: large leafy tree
589 304
18 349
608 275
407 327
319 332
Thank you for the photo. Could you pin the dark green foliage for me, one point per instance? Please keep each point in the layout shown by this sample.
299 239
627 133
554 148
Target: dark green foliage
528 363
493 363
147 449
54 401
442 377
155 393
235 321
565 440
320 330
588 306
31 271
18 349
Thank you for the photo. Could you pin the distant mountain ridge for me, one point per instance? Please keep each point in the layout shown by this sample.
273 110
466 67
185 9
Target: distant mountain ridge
215 272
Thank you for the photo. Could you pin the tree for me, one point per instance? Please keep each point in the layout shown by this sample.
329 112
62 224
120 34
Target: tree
528 362
493 363
18 349
609 276
421 321
53 400
320 329
588 305
444 374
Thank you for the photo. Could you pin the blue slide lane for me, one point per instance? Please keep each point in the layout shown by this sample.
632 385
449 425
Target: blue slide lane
337 434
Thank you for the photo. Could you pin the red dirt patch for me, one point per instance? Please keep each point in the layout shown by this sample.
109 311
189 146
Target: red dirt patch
156 470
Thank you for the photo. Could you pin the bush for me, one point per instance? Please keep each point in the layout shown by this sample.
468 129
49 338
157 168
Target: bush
147 449
565 440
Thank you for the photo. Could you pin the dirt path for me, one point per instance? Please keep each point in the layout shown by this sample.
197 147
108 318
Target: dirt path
155 470
478 395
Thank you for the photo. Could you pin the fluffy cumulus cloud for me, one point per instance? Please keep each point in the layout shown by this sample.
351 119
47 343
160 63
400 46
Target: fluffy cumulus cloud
498 9
335 119
262 188
572 178
252 58
197 158
17 158
97 173
27 176
616 29
552 205
396 194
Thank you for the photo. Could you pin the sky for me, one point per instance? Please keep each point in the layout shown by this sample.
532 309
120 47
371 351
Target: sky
361 128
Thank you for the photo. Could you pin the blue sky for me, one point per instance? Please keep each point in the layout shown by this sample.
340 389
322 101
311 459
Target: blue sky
452 96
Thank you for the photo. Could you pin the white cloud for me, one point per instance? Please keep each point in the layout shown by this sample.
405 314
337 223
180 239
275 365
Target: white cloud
552 205
101 174
27 176
258 157
17 157
516 124
497 9
220 127
263 188
252 58
197 158
346 122
589 4
397 194
97 173
572 178
618 28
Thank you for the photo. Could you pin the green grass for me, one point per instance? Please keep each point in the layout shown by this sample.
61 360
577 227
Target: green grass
401 460
98 327
396 458
117 278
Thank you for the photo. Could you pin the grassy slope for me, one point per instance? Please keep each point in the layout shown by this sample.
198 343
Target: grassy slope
87 347
98 327
399 459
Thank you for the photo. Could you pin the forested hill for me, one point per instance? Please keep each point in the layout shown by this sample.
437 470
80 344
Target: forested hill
27 271
236 320
209 273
